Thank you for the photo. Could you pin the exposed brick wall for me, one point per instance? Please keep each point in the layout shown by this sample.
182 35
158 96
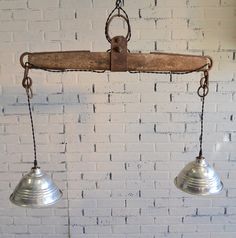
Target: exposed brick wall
114 142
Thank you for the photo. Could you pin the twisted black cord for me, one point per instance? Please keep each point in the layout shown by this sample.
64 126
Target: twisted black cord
32 128
119 3
202 124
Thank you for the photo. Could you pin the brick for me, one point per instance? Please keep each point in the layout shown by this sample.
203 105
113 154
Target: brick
6 37
24 36
34 4
98 230
181 12
5 15
147 147
126 229
44 25
179 228
38 229
197 234
25 14
154 34
111 221
14 26
12 229
27 220
15 4
228 3
155 13
73 4
170 3
210 227
153 228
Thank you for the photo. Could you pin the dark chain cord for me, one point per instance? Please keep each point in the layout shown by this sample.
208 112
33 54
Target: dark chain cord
33 134
202 125
27 84
119 3
202 93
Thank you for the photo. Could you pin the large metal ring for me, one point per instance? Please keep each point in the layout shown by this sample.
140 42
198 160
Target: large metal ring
108 26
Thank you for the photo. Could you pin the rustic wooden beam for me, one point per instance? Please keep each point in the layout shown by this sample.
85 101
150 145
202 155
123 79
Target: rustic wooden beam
144 62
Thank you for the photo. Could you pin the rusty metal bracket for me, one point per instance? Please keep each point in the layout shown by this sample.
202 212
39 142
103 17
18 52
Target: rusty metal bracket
118 54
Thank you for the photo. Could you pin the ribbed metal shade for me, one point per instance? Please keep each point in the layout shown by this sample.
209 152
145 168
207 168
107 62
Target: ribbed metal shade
35 189
199 178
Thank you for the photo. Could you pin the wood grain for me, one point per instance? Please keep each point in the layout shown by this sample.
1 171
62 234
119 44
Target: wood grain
144 62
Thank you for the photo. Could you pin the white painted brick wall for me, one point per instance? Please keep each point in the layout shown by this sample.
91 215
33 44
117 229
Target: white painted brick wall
114 142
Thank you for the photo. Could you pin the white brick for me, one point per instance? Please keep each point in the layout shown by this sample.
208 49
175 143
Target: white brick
179 228
43 4
108 203
26 14
44 25
180 12
196 235
153 228
15 4
143 107
5 15
228 3
210 227
198 3
126 229
12 229
154 34
155 12
27 220
111 221
110 147
98 230
73 4
112 166
45 229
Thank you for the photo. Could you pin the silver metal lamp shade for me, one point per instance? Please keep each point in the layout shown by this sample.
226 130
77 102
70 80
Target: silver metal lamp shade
36 189
199 178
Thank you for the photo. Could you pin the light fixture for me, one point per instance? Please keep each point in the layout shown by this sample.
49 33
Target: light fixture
36 188
198 177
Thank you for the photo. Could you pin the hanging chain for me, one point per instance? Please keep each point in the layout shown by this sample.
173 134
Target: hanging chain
202 93
120 13
27 84
119 3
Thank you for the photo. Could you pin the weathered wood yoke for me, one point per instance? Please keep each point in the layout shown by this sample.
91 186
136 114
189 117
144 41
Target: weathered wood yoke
117 59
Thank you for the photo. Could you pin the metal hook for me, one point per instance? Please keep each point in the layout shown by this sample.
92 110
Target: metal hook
210 64
22 61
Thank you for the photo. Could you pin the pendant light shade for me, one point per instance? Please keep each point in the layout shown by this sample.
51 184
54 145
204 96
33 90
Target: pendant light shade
36 189
199 178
